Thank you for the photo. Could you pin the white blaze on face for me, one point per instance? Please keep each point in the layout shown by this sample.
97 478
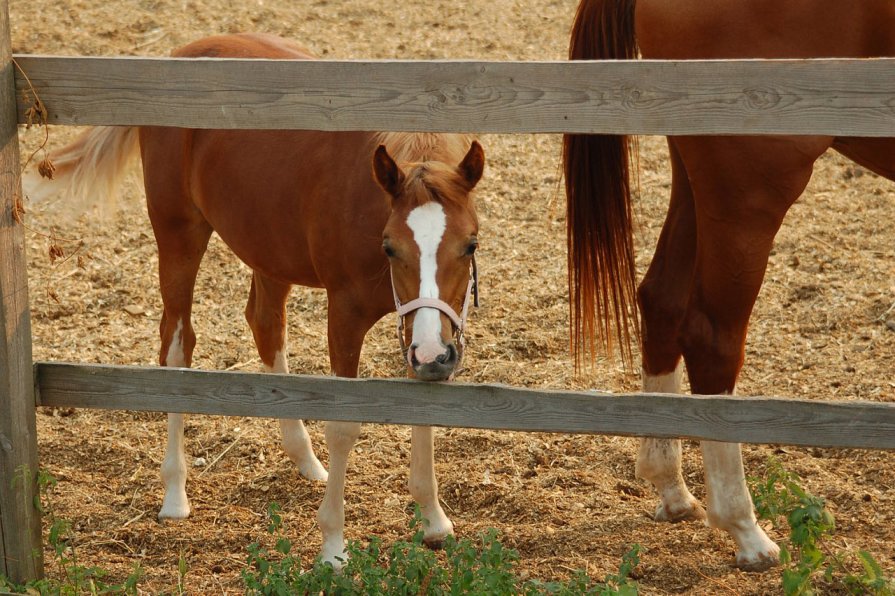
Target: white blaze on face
428 222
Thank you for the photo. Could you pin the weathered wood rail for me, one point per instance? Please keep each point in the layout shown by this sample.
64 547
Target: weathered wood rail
829 97
393 401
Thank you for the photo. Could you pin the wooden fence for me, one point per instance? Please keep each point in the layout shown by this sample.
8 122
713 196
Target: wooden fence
831 97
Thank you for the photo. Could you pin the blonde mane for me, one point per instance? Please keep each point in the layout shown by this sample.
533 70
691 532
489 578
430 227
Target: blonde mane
407 147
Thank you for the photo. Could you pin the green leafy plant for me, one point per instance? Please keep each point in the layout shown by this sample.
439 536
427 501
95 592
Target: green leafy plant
804 556
182 569
480 566
76 578
615 583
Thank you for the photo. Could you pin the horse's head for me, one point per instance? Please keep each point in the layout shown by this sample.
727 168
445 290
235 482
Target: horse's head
430 240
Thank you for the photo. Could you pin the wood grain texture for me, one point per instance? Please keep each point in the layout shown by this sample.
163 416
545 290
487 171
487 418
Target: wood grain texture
719 418
20 539
830 97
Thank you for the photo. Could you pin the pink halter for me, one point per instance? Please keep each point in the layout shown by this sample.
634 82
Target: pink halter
457 321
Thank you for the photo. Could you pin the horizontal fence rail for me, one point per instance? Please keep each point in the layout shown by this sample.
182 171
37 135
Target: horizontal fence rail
720 418
845 97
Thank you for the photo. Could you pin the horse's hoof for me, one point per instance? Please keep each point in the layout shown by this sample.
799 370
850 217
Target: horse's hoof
174 508
337 557
172 515
437 528
313 470
435 543
693 511
756 551
761 562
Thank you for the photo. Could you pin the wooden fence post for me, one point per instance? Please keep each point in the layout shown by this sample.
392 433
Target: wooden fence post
21 556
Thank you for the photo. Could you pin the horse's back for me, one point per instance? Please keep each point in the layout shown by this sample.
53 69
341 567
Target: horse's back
797 29
299 206
276 197
244 45
694 29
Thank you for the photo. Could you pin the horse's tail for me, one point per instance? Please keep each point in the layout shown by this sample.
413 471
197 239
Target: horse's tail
88 170
601 268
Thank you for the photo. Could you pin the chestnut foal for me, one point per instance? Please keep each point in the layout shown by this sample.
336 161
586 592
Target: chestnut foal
382 221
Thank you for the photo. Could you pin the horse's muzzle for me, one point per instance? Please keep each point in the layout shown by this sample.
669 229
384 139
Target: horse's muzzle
441 368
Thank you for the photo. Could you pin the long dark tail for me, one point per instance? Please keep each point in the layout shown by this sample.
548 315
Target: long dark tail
602 289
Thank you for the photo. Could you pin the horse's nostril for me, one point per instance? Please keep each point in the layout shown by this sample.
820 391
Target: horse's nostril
448 356
414 362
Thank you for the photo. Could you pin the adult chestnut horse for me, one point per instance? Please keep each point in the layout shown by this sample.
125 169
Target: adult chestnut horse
380 220
728 198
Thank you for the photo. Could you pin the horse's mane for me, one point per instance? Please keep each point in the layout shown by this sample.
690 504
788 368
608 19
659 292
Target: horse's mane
410 147
429 161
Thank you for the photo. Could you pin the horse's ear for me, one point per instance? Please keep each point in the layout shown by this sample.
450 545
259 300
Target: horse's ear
473 165
388 174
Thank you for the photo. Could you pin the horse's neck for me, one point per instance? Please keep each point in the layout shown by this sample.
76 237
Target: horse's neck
425 146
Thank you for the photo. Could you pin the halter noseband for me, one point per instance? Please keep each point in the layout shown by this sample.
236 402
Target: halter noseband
458 322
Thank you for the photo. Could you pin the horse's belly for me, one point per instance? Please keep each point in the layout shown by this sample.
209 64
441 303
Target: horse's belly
263 231
261 240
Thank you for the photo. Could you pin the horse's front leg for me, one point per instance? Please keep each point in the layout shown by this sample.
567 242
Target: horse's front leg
424 487
340 438
347 325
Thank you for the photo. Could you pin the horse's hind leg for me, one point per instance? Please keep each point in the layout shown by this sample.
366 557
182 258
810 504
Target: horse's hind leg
663 298
266 314
742 188
875 154
297 445
181 244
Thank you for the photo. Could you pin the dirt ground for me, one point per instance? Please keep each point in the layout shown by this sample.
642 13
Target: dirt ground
824 328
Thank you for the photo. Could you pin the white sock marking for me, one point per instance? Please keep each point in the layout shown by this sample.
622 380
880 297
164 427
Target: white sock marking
175 356
667 383
296 441
280 365
424 486
659 460
175 504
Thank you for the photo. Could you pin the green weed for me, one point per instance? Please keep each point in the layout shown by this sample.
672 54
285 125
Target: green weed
76 578
480 566
804 556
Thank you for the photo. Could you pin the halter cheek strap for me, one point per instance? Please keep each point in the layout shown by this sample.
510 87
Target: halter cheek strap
457 321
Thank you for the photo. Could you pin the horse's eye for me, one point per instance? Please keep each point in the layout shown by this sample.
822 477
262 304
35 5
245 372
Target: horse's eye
387 248
470 249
